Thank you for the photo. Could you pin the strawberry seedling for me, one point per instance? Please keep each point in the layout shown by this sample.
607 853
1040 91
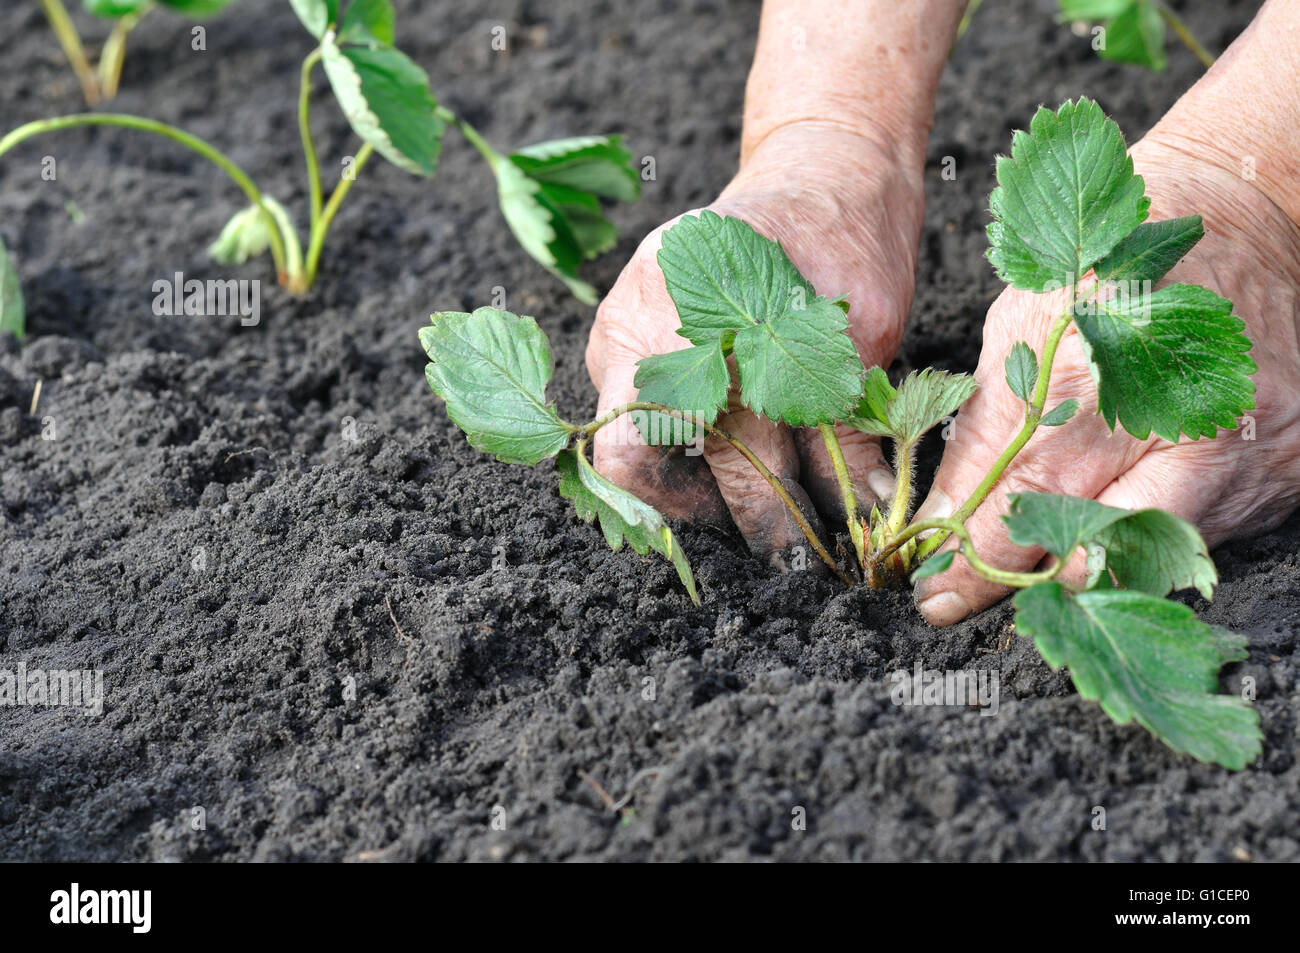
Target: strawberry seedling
1069 213
1133 31
100 83
550 193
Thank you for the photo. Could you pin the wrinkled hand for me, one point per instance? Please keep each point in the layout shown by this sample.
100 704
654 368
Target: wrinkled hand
849 216
1231 486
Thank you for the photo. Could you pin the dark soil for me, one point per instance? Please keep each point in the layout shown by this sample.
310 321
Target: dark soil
227 685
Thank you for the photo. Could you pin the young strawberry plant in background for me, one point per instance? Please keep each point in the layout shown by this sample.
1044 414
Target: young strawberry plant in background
1069 214
98 84
550 193
1135 30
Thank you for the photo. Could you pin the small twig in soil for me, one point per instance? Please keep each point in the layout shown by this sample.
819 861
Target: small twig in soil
396 625
36 398
240 453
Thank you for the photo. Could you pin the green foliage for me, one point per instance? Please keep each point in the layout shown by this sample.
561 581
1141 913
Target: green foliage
1134 30
738 294
116 9
1144 659
13 314
1151 250
1022 370
1065 198
550 194
1172 361
622 515
247 234
492 368
1149 550
383 93
921 401
316 15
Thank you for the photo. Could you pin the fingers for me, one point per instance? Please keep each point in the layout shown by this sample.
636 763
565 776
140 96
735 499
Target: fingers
871 477
757 509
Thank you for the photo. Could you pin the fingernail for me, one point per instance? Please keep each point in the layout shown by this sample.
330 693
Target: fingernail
936 506
881 483
944 608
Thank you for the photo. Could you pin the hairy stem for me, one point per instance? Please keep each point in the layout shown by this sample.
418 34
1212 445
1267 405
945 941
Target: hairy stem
304 131
836 453
70 40
902 488
1183 33
586 430
951 526
113 55
1033 415
322 226
194 143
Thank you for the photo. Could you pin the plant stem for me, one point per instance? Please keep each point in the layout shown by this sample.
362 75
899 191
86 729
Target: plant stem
1033 414
1003 577
322 226
1183 33
304 130
588 429
471 135
902 488
113 55
836 453
194 143
70 40
972 7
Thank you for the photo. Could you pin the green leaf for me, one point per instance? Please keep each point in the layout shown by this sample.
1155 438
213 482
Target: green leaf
550 195
1172 361
1231 646
1149 549
316 15
921 401
939 562
877 393
1022 370
114 9
196 8
737 289
1156 552
598 165
1061 413
1151 250
694 380
540 228
723 276
1145 659
366 20
622 515
1065 198
386 98
801 367
1093 9
1137 35
13 314
247 234
492 367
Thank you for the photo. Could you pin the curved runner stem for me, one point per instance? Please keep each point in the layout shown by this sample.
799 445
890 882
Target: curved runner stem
954 527
194 143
